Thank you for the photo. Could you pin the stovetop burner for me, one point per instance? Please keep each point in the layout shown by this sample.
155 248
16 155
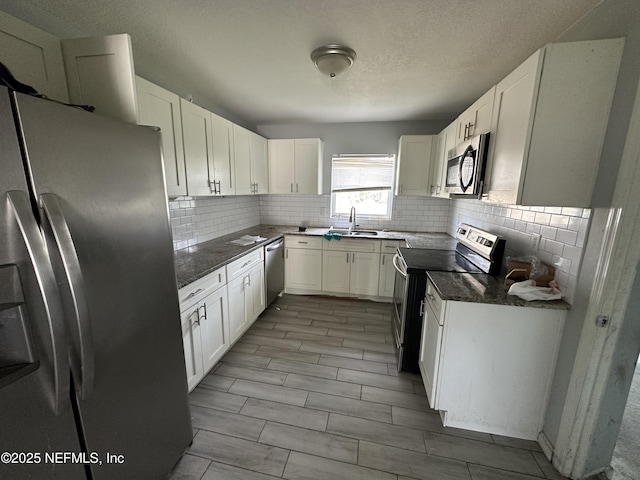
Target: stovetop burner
420 259
477 251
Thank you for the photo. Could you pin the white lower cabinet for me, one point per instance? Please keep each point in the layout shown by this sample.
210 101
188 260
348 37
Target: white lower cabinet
487 367
246 295
351 266
387 278
205 325
192 343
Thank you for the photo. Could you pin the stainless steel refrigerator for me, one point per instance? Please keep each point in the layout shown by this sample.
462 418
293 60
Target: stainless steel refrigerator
91 359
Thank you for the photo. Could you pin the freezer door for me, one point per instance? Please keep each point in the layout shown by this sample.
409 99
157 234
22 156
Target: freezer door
100 187
35 415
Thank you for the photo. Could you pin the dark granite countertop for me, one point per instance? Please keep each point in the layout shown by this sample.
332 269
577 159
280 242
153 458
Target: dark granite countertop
482 288
199 260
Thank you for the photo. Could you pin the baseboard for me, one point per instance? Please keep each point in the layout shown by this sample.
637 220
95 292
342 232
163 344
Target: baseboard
545 445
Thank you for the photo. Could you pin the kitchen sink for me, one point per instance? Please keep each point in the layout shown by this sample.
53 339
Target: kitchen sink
345 231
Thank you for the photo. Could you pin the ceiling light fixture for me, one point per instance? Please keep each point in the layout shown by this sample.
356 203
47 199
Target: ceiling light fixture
332 60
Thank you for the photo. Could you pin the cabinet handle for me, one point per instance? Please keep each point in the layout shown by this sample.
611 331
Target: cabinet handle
297 188
421 308
197 320
219 187
353 258
292 188
382 257
246 263
193 294
304 243
286 253
347 257
204 307
401 189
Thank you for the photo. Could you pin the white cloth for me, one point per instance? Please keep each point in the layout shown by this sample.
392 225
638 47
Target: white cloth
528 291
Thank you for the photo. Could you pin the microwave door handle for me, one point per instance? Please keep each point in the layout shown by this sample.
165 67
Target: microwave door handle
83 358
48 294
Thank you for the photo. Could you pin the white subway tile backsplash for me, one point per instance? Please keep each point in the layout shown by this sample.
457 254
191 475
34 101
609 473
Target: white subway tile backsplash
557 245
563 230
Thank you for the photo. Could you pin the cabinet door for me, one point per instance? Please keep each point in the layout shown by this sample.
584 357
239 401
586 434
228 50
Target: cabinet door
429 358
414 165
336 268
161 108
365 273
33 56
281 166
259 176
387 275
510 132
242 152
255 293
198 153
477 118
192 344
308 159
100 73
213 323
303 269
446 141
223 158
236 291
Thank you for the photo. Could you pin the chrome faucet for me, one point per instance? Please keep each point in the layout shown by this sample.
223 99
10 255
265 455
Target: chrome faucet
352 219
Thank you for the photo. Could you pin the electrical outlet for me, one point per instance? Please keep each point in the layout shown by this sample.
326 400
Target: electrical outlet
534 241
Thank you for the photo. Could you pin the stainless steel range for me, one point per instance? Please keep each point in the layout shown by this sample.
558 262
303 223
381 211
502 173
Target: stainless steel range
477 251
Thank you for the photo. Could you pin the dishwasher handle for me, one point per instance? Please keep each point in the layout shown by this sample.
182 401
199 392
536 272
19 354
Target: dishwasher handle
274 246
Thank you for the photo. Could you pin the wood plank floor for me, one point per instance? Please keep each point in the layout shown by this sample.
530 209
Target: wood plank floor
312 391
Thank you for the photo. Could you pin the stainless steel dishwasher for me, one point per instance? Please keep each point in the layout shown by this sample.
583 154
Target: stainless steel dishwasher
274 258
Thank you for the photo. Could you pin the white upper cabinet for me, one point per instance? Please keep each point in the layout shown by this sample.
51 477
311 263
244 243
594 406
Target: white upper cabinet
242 148
295 165
33 56
198 148
250 162
100 73
259 169
415 155
549 121
446 141
477 118
223 162
161 108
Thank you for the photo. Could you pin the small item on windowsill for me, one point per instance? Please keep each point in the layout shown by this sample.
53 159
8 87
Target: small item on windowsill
302 228
528 290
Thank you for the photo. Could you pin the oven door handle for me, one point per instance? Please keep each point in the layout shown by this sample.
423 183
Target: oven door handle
396 258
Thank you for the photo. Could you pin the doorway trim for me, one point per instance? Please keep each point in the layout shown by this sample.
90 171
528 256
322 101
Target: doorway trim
615 274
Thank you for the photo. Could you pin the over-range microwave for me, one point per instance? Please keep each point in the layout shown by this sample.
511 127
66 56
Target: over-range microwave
466 165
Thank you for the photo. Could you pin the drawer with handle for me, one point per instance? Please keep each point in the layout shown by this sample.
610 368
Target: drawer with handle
244 263
202 287
303 241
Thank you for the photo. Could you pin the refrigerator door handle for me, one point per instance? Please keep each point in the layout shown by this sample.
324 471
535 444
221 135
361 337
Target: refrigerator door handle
49 296
83 357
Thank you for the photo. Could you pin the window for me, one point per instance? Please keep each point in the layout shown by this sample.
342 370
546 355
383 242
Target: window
364 182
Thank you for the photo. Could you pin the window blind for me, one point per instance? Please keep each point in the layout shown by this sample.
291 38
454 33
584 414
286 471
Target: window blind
354 173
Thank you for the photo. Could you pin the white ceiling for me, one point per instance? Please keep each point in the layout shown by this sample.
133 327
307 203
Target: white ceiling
417 59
